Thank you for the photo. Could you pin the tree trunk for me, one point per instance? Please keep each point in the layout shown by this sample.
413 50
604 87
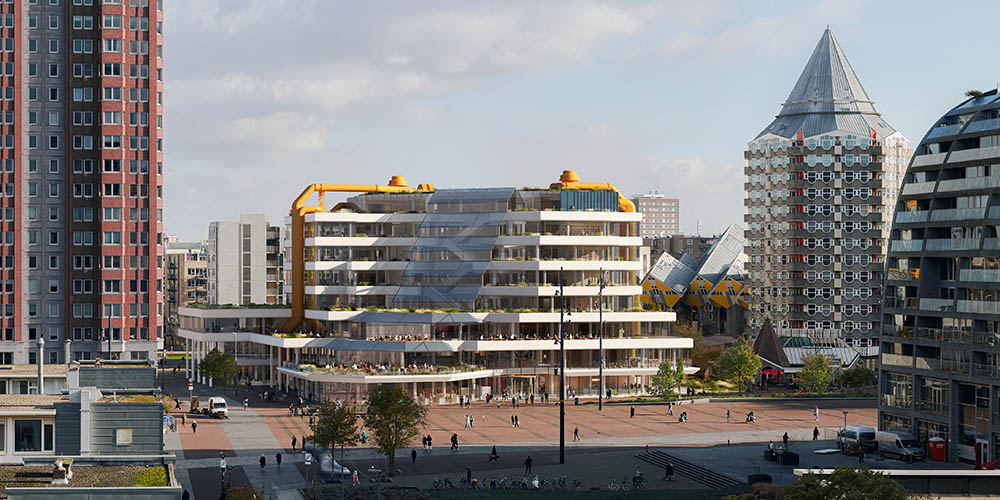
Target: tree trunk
392 463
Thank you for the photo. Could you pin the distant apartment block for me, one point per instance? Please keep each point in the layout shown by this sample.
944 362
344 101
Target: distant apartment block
244 259
185 279
679 244
660 215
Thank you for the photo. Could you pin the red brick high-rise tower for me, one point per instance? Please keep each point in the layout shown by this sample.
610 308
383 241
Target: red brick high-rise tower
82 178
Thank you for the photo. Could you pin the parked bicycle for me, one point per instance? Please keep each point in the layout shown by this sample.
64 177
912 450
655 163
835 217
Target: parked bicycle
623 485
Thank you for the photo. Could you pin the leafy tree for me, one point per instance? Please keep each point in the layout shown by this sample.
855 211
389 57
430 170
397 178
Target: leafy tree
973 93
859 376
668 379
738 363
846 483
336 424
218 365
700 355
815 375
395 419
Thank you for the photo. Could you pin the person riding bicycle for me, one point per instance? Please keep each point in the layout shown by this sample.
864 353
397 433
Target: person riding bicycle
751 417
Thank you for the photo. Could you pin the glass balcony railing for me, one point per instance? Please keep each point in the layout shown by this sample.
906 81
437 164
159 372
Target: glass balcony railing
968 183
900 302
932 407
937 304
954 214
944 335
953 244
991 243
897 331
978 307
984 275
906 245
902 402
914 216
984 370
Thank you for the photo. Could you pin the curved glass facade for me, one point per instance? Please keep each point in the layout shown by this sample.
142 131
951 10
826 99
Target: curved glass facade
940 360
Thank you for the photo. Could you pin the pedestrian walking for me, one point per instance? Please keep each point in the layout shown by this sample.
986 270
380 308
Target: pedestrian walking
493 455
430 443
194 427
527 465
277 459
531 398
815 433
294 440
246 403
670 410
183 420
466 423
576 433
263 462
668 472
185 495
413 456
816 414
454 442
631 412
512 420
517 423
784 439
423 441
472 423
729 417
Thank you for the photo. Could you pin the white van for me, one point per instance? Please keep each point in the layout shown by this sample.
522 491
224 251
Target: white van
899 444
217 408
857 438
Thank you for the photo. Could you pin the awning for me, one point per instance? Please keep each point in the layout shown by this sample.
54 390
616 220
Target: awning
771 371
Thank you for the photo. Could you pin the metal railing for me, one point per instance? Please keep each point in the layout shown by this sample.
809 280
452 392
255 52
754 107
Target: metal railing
914 216
978 306
897 360
952 244
955 214
944 335
902 402
906 245
984 370
932 408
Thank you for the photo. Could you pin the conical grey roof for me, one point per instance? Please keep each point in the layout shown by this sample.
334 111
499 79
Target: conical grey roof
828 96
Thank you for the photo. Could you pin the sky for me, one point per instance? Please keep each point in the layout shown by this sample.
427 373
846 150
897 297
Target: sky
263 97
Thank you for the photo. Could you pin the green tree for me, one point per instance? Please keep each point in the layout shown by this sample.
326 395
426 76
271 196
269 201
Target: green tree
668 379
846 483
335 424
218 365
700 355
394 419
859 376
815 375
738 363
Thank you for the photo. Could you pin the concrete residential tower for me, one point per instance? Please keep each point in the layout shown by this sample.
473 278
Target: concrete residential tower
243 261
822 181
82 183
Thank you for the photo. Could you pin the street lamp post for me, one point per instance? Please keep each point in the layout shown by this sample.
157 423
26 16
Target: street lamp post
236 361
600 340
845 417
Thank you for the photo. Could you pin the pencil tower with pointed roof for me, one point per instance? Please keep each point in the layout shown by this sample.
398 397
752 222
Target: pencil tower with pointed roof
821 183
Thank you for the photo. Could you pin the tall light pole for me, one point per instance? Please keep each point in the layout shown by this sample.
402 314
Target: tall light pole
600 339
562 369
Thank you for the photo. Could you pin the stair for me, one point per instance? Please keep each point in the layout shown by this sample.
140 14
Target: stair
687 469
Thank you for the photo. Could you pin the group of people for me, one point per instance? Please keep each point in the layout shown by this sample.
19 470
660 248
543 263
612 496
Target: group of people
400 338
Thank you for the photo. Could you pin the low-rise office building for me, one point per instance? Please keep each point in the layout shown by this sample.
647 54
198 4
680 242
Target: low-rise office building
452 292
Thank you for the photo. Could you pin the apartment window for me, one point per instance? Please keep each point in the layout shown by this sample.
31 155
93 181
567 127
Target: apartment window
112 189
53 142
53 262
113 118
53 22
83 118
112 286
83 166
83 70
138 71
53 213
112 69
138 47
32 117
54 70
32 21
53 46
53 286
112 45
32 69
112 214
85 94
112 238
112 21
53 118
32 45
54 93
112 142
53 237
112 93
83 22
112 165
83 46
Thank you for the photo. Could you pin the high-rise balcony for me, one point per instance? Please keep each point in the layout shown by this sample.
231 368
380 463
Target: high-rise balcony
944 335
906 245
957 214
952 244
978 307
894 401
914 216
897 360
932 407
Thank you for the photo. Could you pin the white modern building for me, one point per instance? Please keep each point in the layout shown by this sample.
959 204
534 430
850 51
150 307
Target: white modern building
452 292
243 260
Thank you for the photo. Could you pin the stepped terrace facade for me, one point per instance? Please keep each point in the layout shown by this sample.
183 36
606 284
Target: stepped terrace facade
453 292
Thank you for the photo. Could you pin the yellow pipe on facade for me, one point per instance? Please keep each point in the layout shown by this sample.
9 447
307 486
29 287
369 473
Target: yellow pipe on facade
298 212
569 179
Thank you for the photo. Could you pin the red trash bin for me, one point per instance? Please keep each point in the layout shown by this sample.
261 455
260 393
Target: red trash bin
936 449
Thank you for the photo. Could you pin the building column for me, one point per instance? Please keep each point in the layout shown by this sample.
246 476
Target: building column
270 354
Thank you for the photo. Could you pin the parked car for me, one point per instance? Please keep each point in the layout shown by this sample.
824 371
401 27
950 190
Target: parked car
217 408
899 444
857 438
